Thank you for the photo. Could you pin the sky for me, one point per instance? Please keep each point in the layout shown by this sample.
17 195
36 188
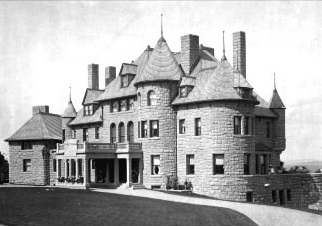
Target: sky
46 47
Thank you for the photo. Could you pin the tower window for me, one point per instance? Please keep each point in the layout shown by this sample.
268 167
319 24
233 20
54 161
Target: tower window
218 161
144 129
268 130
237 125
151 98
246 163
246 126
154 128
190 164
155 170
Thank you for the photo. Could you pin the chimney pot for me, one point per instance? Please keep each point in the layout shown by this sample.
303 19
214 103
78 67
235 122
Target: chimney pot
40 108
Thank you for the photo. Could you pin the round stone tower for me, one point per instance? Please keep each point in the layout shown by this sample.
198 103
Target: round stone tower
68 115
157 86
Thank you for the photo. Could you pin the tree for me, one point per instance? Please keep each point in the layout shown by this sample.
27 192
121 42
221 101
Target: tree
4 168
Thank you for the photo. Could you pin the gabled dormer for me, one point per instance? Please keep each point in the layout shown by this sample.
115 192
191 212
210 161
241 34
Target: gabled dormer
127 74
186 86
89 106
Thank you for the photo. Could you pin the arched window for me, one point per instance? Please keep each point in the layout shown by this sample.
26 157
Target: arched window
139 99
121 133
130 132
113 133
151 98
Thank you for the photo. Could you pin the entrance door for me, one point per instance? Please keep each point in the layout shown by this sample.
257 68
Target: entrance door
101 170
122 170
135 170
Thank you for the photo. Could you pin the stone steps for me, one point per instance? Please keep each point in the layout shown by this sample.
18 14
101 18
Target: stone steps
137 186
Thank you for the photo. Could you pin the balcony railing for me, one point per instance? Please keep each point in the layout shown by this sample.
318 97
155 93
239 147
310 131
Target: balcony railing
89 147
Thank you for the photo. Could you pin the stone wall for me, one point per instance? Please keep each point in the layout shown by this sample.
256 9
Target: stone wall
304 189
41 170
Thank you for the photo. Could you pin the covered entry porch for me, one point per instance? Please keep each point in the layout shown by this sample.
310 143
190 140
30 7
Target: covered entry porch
99 164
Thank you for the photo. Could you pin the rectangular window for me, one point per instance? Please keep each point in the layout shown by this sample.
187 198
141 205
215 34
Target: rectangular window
274 196
139 129
123 105
27 165
218 160
268 134
237 125
64 135
183 91
154 128
85 134
74 134
115 106
131 104
263 164
85 110
288 195
246 126
144 129
190 164
253 126
257 164
54 165
97 133
155 170
182 126
246 163
90 109
197 127
26 145
80 167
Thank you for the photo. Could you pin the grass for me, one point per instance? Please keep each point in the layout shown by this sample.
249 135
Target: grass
58 206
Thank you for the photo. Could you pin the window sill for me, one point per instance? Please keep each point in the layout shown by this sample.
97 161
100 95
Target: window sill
156 176
27 172
27 150
122 112
240 135
218 175
154 138
190 175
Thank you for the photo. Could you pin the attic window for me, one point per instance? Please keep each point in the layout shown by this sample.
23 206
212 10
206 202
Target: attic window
183 92
88 110
124 81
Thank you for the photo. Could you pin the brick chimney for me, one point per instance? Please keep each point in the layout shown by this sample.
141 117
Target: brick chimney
93 76
239 48
110 74
38 109
189 51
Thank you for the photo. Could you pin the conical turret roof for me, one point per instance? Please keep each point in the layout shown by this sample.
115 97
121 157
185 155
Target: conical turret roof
276 101
161 66
70 111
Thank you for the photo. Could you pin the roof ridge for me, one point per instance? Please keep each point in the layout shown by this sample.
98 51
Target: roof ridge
50 114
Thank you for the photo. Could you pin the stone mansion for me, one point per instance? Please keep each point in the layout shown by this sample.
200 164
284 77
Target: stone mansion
167 114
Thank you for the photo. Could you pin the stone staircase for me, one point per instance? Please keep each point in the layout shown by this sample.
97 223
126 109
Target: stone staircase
137 186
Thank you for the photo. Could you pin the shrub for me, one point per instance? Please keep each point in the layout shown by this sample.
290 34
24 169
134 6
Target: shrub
298 170
172 182
61 179
80 180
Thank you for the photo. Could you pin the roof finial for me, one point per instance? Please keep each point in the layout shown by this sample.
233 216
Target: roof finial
70 94
223 41
274 82
161 25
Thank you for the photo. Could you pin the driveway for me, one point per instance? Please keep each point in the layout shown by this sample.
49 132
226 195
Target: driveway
260 214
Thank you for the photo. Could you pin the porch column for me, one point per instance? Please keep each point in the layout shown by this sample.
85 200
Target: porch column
86 174
141 170
57 169
77 171
116 171
129 170
70 167
66 165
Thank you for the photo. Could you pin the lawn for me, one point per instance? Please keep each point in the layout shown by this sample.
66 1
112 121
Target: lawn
57 206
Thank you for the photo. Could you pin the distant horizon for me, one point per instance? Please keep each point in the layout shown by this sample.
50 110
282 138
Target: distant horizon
48 45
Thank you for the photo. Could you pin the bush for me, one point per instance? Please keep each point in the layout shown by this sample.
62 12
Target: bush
80 180
318 171
172 182
61 179
298 170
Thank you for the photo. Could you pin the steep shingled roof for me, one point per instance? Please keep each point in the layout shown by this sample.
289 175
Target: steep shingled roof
276 101
161 66
215 83
42 126
91 95
262 109
89 119
70 111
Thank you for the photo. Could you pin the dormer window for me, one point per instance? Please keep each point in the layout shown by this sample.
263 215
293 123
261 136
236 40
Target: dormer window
184 91
124 81
88 110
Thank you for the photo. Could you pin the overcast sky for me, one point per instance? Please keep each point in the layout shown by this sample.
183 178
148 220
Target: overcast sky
46 47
